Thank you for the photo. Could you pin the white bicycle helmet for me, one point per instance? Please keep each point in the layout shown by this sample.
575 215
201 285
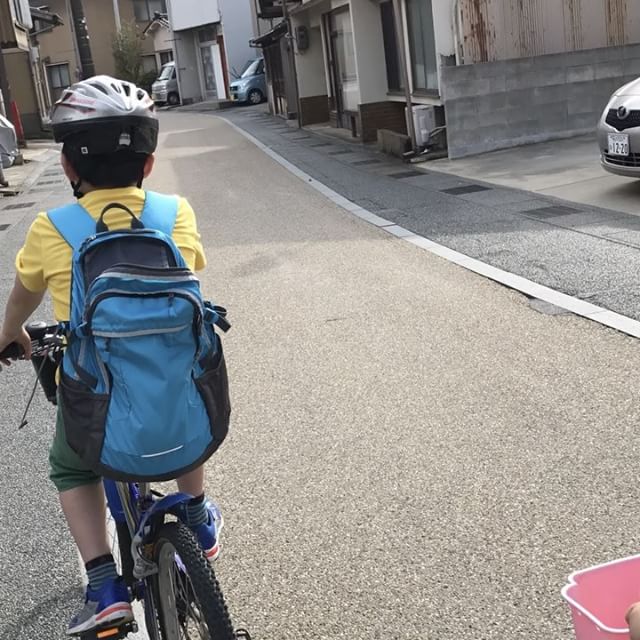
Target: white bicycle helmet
102 115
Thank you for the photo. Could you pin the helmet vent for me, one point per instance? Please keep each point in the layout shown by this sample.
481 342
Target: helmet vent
99 87
127 89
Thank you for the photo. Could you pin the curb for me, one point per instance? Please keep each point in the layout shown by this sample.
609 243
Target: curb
602 316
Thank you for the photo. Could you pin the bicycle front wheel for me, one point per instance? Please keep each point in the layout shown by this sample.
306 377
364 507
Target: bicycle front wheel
187 594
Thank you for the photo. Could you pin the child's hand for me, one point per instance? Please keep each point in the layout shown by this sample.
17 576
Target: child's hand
22 338
633 620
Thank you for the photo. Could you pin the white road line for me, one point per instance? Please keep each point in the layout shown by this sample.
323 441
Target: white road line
576 306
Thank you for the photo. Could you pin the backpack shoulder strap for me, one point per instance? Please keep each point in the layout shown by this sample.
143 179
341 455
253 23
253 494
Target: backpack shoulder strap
73 223
160 212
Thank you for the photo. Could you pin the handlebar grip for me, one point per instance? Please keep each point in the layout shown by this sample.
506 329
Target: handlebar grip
13 352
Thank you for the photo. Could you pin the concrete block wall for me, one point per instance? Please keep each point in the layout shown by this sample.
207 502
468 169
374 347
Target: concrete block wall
503 104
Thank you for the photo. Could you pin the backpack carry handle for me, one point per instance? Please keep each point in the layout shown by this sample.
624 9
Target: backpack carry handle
101 226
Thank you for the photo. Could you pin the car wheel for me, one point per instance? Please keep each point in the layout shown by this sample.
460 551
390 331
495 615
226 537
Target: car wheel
255 96
173 99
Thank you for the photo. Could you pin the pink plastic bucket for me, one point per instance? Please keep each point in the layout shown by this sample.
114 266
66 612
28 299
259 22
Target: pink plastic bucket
600 596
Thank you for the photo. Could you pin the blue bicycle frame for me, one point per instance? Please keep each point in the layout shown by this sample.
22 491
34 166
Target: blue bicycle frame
134 504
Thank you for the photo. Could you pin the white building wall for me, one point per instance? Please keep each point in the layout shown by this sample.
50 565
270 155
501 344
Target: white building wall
369 50
162 39
188 66
187 14
238 28
310 64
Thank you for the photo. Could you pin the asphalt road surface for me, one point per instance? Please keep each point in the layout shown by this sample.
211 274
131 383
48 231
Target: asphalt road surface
415 452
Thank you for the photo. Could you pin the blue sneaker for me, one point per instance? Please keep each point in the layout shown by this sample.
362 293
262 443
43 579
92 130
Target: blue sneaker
107 606
208 534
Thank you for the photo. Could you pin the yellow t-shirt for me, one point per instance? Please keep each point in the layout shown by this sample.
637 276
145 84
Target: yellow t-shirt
44 262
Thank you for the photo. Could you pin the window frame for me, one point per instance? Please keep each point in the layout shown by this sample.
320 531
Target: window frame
425 90
55 91
137 4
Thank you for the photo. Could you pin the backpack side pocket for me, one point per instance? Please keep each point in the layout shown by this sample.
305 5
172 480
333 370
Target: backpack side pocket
213 385
84 414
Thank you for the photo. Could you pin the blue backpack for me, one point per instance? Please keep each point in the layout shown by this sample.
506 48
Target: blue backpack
143 388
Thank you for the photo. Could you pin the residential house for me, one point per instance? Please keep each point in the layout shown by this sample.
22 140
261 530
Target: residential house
211 45
59 50
500 72
159 30
21 72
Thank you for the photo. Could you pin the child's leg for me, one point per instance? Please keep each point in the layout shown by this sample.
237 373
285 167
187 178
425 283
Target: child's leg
204 518
192 482
85 510
81 496
83 502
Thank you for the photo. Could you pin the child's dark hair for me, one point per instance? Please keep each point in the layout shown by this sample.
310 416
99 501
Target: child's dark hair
122 168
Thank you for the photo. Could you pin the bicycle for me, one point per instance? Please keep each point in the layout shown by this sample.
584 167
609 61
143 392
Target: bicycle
159 557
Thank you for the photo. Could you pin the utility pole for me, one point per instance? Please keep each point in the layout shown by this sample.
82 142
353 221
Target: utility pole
82 38
400 37
116 15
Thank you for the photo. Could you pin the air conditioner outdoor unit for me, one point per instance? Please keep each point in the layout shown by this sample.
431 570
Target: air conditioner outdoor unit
424 122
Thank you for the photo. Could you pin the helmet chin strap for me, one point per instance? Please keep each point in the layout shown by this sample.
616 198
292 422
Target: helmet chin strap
76 188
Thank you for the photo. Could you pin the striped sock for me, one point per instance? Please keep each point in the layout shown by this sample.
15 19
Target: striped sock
100 571
197 511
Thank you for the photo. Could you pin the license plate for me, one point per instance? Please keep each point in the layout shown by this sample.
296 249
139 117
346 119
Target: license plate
619 144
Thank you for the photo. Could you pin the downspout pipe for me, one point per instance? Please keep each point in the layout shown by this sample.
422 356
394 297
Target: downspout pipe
400 37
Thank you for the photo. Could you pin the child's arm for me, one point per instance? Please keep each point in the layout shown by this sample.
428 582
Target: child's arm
633 620
21 304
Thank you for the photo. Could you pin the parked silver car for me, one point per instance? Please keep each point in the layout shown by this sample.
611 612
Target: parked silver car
619 132
165 89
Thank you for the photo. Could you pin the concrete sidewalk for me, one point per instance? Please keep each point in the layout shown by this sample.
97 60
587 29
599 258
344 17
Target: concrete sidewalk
37 156
568 169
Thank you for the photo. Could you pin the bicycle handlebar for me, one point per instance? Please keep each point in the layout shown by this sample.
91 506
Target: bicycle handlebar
40 333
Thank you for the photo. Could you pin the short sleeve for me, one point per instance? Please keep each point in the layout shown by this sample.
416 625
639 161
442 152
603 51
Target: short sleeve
186 236
29 261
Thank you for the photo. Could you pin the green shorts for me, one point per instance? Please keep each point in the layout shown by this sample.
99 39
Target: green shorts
67 469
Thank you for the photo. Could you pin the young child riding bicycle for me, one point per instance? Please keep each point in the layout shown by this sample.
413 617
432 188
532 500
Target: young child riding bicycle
109 133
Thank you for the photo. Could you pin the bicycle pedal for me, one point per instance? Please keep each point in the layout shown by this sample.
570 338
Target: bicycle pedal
242 634
111 632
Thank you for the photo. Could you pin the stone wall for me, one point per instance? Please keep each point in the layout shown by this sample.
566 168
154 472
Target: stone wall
503 104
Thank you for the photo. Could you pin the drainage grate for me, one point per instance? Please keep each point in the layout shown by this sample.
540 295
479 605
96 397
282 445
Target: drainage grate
19 205
362 163
550 212
406 174
4 227
319 144
469 188
339 152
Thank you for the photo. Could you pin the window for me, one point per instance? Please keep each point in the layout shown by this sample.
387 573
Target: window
165 56
422 45
22 13
145 9
207 34
58 75
394 78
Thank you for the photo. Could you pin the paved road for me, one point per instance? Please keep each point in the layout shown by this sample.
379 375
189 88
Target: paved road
415 452
581 250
